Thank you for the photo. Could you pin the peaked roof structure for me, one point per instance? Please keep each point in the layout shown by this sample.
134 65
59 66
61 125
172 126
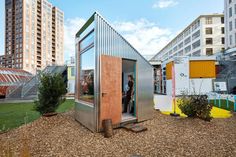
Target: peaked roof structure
11 77
96 17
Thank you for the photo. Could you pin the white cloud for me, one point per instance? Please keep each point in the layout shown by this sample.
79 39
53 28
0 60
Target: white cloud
147 37
71 27
164 4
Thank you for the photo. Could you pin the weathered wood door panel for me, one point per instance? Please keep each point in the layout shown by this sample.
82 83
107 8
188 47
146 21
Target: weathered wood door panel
111 89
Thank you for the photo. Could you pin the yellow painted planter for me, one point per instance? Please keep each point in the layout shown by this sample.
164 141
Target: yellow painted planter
215 112
220 113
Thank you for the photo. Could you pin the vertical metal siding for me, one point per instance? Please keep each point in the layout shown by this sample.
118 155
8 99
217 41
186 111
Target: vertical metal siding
114 44
96 76
84 113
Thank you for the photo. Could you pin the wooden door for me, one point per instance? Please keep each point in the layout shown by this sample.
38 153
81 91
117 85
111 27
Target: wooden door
111 89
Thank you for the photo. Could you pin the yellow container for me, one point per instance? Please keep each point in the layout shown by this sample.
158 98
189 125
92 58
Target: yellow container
202 69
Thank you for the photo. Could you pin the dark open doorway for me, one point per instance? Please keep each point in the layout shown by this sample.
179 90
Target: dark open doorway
128 90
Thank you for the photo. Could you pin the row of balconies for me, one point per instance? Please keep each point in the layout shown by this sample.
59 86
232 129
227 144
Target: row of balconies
39 57
38 65
38 20
38 30
38 39
38 45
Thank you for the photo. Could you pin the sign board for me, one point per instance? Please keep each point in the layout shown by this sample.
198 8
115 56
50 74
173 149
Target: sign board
220 86
181 73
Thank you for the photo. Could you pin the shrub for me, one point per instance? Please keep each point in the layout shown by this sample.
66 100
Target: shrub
195 106
51 91
186 107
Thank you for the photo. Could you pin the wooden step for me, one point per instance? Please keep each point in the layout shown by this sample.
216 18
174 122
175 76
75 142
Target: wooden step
135 127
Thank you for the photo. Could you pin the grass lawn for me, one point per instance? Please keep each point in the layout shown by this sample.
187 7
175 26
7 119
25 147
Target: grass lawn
224 105
12 115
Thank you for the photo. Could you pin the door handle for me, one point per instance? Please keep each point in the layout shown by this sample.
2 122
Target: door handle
103 94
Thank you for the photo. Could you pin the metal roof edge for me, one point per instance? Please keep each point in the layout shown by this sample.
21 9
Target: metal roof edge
96 13
87 23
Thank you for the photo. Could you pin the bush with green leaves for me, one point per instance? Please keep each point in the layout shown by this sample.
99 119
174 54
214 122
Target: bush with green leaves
51 93
195 106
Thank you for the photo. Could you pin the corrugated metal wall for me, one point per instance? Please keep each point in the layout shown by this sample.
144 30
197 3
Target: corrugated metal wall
109 42
84 113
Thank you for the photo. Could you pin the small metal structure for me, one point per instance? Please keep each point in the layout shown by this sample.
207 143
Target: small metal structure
190 75
104 59
11 78
28 89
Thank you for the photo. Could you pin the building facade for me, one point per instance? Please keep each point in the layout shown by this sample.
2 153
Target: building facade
204 36
230 29
230 24
33 35
2 61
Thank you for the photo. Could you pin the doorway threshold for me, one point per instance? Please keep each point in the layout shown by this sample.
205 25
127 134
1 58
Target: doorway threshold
126 117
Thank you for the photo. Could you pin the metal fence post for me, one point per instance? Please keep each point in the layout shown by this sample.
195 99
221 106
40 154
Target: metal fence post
227 102
215 100
235 103
219 102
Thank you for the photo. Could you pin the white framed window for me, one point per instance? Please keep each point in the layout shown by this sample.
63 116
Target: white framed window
235 38
209 30
230 12
196 44
230 39
209 20
230 26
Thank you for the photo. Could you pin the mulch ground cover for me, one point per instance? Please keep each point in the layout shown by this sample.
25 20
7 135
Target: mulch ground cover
61 135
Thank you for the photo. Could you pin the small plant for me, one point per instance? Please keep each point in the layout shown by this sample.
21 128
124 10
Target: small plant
51 91
186 107
195 106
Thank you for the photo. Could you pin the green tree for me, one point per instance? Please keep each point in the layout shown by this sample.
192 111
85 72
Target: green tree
51 93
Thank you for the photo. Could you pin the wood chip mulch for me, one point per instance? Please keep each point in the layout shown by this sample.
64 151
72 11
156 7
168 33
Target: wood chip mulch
61 135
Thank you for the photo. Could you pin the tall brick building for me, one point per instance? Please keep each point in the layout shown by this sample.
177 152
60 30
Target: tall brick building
34 33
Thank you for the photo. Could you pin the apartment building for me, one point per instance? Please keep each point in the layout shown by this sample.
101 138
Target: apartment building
230 24
203 37
33 35
230 30
2 61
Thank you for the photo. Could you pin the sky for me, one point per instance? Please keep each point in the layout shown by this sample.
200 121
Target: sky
147 24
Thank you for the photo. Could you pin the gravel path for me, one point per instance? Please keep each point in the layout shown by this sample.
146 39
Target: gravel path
62 136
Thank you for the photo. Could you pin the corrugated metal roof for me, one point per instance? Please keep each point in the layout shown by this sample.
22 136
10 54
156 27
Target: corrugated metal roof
11 77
